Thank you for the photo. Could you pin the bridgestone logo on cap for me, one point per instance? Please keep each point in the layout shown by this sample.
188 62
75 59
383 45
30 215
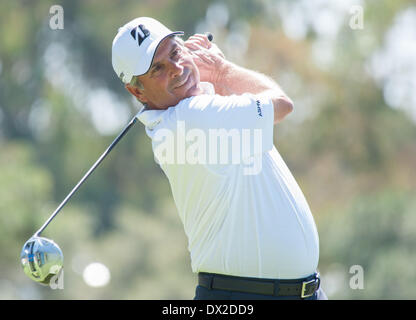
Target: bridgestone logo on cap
141 32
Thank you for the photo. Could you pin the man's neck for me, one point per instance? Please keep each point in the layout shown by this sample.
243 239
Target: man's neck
202 88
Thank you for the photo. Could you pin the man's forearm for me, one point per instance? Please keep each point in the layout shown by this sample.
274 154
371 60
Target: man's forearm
233 79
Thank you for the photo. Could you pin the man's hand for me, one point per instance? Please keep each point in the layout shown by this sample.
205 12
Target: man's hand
229 78
207 56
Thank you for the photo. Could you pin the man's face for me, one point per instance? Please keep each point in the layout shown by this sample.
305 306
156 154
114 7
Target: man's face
173 76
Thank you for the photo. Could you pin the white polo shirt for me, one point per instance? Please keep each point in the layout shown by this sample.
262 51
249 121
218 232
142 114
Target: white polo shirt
242 210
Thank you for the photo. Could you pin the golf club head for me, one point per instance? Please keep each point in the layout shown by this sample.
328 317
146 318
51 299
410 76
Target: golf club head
41 259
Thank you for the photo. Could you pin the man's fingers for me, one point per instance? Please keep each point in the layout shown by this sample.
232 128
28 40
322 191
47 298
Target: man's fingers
191 45
201 39
200 57
203 57
218 50
194 43
194 46
200 36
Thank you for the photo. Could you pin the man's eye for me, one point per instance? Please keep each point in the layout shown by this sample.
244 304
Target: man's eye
156 68
176 52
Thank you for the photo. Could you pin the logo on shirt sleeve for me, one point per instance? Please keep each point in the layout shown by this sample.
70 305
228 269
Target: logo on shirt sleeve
258 108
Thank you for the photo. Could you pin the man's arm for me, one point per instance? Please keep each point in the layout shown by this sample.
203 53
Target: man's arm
228 78
232 79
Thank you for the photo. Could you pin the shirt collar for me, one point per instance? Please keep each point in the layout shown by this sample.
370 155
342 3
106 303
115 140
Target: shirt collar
151 118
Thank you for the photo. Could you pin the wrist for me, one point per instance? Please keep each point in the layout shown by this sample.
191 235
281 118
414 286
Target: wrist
218 75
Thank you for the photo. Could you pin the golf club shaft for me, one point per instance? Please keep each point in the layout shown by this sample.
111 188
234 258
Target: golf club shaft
106 152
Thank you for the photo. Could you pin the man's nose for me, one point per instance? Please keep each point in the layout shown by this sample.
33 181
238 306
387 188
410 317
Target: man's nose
175 68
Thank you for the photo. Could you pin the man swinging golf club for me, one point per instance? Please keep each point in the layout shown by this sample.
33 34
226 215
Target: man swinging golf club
251 234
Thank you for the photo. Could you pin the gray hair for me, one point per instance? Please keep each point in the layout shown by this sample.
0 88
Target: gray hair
136 83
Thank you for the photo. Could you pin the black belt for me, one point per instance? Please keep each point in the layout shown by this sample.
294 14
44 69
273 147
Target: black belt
302 288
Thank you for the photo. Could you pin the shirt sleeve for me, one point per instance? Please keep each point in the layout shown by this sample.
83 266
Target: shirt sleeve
247 117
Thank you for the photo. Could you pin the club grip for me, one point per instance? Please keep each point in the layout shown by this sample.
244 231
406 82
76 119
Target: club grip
209 36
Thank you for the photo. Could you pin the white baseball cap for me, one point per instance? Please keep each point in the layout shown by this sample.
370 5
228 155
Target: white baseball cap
135 45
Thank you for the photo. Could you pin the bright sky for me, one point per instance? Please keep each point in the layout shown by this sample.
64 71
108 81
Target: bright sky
108 114
394 65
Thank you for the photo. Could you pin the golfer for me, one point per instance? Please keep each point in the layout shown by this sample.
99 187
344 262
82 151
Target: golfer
251 234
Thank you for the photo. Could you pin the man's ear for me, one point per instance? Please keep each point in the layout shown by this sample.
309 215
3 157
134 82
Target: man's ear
136 92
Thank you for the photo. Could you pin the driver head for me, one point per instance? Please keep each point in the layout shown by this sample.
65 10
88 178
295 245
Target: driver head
41 259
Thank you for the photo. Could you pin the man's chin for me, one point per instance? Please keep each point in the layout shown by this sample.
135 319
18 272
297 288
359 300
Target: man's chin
194 90
190 88
194 86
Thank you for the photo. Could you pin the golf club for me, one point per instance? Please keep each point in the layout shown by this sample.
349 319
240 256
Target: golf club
41 258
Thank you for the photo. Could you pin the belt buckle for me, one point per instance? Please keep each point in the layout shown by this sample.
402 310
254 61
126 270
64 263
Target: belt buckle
304 284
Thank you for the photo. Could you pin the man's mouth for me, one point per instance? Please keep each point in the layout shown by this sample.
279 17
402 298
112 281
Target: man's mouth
183 80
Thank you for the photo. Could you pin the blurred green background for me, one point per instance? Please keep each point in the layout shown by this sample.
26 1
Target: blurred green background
350 142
